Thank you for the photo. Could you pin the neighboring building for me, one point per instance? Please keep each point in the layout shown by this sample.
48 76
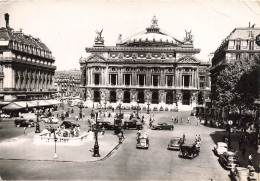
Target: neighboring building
152 67
26 66
240 43
67 83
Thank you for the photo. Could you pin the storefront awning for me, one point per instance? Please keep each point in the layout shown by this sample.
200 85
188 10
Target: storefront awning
12 106
53 102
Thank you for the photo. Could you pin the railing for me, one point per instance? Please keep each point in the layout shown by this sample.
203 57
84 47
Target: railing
47 138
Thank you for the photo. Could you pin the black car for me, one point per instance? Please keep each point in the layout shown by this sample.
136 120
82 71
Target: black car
106 124
162 126
189 151
24 123
68 124
132 124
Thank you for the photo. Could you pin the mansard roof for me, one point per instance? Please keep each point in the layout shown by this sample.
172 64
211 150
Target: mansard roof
8 34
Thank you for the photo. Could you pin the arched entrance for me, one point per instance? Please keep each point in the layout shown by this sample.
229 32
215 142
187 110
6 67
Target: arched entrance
126 97
96 96
186 98
200 98
155 98
140 97
113 96
169 98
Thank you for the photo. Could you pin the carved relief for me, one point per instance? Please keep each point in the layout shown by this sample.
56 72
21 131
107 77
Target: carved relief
148 56
163 56
119 93
89 94
147 94
134 56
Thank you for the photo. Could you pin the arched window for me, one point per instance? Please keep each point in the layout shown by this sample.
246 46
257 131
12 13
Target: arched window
96 96
126 97
113 96
140 97
155 98
169 98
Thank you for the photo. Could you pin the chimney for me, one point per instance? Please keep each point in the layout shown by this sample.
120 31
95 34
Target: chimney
7 20
249 25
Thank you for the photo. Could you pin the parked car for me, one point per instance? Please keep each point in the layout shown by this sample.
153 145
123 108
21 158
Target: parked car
189 151
161 126
68 124
106 124
45 119
242 173
142 142
220 148
24 123
229 160
4 115
131 124
54 120
175 143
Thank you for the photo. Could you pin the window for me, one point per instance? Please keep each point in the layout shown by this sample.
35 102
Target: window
169 80
238 56
113 79
238 45
97 79
141 80
201 84
155 80
251 45
127 79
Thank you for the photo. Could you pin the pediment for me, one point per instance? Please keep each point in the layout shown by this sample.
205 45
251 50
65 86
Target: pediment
188 59
96 58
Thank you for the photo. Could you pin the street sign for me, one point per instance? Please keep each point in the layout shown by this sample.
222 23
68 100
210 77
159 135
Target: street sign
257 40
230 122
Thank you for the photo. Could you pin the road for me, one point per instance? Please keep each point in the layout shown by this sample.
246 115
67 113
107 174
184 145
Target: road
129 163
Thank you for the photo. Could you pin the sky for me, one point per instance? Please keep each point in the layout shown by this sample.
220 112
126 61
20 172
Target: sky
67 27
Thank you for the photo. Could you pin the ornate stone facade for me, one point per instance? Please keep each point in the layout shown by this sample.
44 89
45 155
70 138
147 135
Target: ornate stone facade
67 83
26 66
152 67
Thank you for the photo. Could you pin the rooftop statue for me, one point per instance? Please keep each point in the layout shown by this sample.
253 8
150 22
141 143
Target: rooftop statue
99 37
189 37
154 22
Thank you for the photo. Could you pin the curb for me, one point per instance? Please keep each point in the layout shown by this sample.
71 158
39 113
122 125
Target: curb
64 161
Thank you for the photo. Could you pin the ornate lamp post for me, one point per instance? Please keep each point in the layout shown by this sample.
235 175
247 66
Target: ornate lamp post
137 107
80 109
55 140
37 128
230 122
148 104
96 146
120 104
105 105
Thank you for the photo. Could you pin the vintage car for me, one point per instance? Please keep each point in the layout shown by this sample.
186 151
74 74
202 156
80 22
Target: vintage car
68 124
132 124
229 160
142 142
106 124
54 120
242 173
189 150
220 148
175 143
24 123
161 126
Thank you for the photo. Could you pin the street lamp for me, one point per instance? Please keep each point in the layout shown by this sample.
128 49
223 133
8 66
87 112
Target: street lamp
80 109
137 107
105 105
230 122
120 109
55 140
37 130
96 146
148 104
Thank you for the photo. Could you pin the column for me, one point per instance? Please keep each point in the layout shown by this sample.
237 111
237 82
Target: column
130 79
152 81
176 77
109 78
86 76
144 80
182 84
116 78
189 80
166 81
137 79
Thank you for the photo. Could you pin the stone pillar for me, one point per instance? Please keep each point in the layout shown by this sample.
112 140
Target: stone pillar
9 76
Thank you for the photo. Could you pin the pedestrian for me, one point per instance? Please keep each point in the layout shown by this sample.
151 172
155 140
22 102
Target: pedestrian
196 138
243 150
181 120
250 160
240 143
188 120
199 138
183 138
103 130
172 118
25 130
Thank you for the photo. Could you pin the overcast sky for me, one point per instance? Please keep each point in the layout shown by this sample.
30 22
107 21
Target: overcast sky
68 26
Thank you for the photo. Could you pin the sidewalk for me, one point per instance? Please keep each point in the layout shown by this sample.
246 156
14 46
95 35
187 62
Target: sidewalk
23 148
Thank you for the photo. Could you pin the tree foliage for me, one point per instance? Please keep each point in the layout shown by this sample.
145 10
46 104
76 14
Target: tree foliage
238 83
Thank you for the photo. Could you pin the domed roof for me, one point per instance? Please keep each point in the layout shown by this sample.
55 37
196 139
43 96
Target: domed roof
153 36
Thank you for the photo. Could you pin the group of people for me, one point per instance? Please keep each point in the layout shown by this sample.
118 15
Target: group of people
176 120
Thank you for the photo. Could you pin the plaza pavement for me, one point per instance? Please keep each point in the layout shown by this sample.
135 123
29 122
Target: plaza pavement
24 148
